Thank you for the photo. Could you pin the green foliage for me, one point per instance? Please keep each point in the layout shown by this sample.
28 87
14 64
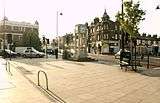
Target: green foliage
68 39
31 39
104 44
131 18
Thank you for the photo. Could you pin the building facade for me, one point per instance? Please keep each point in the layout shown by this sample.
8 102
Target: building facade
68 41
15 30
80 40
103 35
147 41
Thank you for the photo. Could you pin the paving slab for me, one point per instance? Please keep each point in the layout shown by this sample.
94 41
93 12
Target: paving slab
17 89
91 82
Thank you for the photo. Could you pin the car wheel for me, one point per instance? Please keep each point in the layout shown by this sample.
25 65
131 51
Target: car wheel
38 56
24 56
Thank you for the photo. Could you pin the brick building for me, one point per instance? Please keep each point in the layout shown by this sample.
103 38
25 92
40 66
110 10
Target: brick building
103 35
15 30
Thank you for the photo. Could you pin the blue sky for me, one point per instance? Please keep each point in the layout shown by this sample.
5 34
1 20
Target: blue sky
74 12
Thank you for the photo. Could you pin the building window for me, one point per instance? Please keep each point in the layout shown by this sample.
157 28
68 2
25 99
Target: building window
19 37
116 28
98 38
113 37
107 36
116 36
15 28
116 44
8 27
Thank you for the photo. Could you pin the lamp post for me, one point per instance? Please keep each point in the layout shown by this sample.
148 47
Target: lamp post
4 35
57 16
45 44
157 7
147 47
122 33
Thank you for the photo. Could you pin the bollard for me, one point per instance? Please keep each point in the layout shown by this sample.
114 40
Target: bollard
8 66
45 77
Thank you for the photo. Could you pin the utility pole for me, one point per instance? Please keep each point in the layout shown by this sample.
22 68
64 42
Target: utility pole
57 15
122 32
57 30
45 44
4 35
122 36
46 50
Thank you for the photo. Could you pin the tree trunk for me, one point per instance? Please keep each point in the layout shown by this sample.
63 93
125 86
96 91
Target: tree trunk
132 53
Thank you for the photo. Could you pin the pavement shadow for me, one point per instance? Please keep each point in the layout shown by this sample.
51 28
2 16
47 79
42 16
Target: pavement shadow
75 62
24 71
35 61
154 72
106 62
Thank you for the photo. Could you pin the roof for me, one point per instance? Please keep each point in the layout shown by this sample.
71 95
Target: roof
21 24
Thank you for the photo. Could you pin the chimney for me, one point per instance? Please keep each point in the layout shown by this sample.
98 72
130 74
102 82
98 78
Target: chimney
155 36
144 35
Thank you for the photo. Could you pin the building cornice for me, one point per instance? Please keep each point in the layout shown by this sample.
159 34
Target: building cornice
19 24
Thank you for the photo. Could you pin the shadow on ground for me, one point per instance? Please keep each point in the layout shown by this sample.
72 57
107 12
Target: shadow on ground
154 72
106 62
34 61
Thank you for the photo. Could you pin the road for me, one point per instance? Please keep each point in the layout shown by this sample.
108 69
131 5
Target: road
91 82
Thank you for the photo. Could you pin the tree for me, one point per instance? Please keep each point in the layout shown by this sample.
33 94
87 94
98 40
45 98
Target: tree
129 22
132 16
68 40
31 39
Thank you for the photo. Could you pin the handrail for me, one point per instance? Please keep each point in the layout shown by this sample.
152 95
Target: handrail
45 77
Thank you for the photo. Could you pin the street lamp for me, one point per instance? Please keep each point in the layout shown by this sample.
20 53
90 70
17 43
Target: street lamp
122 35
4 34
157 7
45 44
57 15
122 32
147 47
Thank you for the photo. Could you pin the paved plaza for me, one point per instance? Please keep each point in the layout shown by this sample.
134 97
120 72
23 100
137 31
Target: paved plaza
14 88
90 82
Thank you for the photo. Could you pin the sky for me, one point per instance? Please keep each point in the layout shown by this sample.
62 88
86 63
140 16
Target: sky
74 12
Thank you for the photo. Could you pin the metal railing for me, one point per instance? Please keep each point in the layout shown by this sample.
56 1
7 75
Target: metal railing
45 77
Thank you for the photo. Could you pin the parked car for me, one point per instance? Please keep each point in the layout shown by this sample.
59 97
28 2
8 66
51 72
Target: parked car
50 52
7 53
32 53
